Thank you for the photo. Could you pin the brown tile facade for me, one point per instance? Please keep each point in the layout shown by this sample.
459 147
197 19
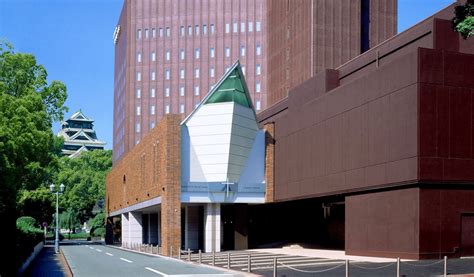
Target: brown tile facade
269 161
151 43
308 36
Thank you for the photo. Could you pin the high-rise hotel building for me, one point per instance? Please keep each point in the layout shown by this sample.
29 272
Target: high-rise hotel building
169 53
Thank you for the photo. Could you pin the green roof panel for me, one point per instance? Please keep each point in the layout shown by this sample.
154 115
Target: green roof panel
231 90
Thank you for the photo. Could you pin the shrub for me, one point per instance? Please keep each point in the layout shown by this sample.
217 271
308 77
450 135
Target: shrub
99 232
28 236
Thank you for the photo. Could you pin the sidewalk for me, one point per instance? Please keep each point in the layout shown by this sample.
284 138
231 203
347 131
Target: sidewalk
48 263
319 253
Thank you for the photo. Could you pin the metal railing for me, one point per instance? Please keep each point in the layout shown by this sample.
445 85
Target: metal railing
245 262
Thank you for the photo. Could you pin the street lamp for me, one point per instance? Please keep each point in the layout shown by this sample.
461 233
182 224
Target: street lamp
57 192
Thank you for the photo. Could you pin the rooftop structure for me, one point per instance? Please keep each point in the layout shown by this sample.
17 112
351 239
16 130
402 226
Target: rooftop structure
79 135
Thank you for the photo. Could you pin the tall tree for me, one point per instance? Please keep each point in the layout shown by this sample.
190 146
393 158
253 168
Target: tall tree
28 106
84 178
463 21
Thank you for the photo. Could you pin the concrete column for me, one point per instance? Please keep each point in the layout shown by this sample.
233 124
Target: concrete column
212 227
135 221
125 229
153 229
191 228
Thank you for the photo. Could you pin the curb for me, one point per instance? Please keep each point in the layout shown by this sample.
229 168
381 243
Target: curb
65 262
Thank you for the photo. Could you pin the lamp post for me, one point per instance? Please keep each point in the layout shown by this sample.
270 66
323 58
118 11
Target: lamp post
61 189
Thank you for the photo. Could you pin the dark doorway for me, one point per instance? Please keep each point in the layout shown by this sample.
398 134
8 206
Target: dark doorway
228 226
311 223
467 235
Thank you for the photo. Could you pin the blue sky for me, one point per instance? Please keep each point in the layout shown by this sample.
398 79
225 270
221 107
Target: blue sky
73 40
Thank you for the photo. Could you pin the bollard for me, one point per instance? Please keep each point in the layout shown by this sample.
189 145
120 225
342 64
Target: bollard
249 263
274 267
213 257
179 253
398 267
347 268
189 254
171 251
445 266
228 260
200 256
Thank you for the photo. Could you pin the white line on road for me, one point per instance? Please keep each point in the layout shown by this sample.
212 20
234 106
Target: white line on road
128 261
156 271
109 254
91 247
98 250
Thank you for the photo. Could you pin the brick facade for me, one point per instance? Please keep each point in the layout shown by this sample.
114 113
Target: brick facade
149 170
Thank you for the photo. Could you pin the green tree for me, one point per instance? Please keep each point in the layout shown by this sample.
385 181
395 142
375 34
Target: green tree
84 178
38 203
69 220
463 21
28 106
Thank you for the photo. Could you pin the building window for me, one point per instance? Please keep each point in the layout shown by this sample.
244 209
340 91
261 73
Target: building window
152 93
190 30
167 92
137 128
152 125
258 105
139 76
213 29
258 49
139 110
236 27
181 73
196 29
242 50
153 32
258 26
139 93
196 53
242 27
168 55
167 74
204 29
167 108
161 32
196 90
258 69
153 75
227 52
212 52
139 57
196 73
181 31
181 108
139 33
257 87
181 91
153 56
152 109
146 33
211 72
250 26
168 31
243 69
227 28
181 54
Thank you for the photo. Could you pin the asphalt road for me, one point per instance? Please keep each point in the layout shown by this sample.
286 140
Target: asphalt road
100 260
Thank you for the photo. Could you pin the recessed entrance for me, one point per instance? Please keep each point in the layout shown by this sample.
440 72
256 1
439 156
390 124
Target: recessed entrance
467 235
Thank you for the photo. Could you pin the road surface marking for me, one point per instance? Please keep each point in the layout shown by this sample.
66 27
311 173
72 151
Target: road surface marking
109 254
91 247
156 271
128 261
98 250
